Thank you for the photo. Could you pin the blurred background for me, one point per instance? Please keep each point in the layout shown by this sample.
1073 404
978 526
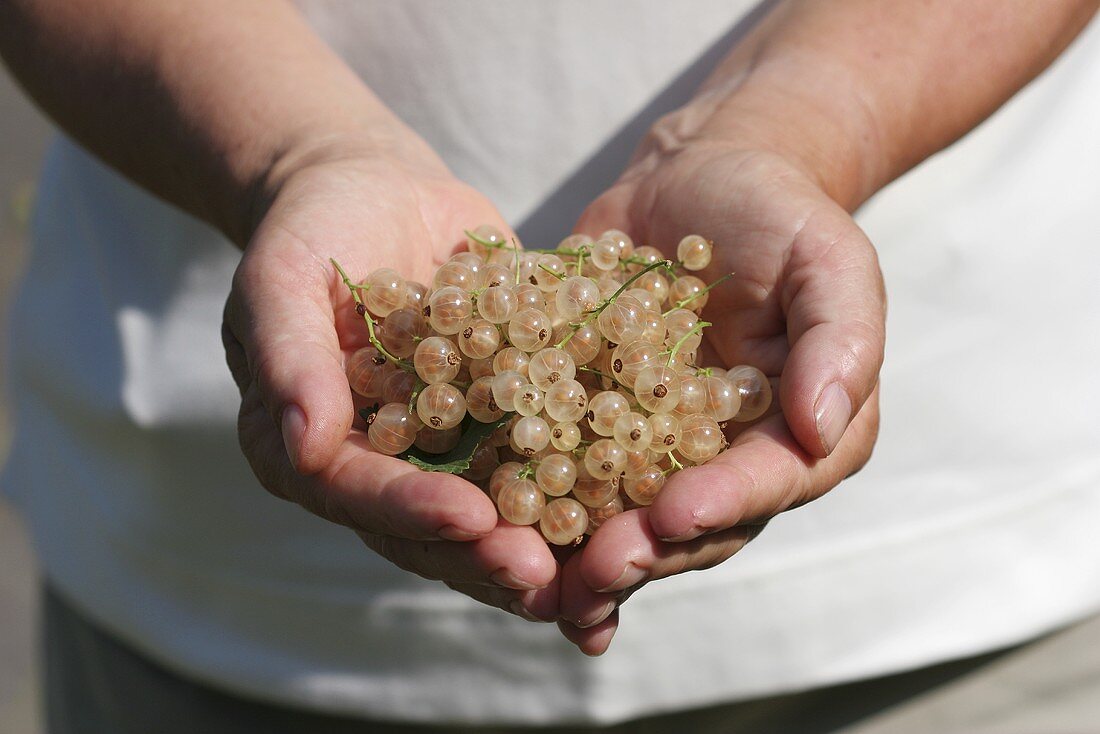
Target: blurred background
24 134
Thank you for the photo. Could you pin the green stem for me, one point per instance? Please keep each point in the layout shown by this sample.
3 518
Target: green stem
584 368
693 296
361 308
611 299
676 465
556 274
698 328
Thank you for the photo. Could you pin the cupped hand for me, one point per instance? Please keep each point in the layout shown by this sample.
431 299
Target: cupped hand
290 323
806 305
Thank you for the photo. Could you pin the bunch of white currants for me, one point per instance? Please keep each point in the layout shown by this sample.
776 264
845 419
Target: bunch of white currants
571 373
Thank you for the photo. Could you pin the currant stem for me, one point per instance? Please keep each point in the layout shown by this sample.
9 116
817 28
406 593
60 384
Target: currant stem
557 275
611 299
693 296
362 308
584 368
698 328
676 465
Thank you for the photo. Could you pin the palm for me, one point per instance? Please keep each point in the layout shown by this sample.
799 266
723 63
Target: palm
291 324
805 306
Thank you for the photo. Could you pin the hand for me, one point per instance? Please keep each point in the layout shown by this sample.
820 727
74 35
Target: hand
806 306
289 325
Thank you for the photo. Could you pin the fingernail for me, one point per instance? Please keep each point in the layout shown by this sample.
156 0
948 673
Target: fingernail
593 619
504 577
450 532
631 575
833 412
692 534
294 428
521 611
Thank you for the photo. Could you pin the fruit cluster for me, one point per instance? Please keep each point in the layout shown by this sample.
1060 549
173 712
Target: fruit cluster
571 373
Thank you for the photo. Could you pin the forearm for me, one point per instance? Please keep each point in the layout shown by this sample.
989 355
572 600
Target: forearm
204 102
856 92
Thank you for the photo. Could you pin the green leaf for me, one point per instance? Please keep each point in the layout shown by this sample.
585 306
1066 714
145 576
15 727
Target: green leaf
457 460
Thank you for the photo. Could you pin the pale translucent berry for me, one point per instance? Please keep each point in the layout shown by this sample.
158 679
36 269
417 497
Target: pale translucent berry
475 263
597 516
622 241
505 386
441 406
563 521
529 296
644 297
621 321
528 400
680 322
605 459
402 331
486 233
700 438
386 292
657 388
456 274
435 441
398 387
628 360
549 366
654 331
593 492
436 360
633 432
575 242
479 339
520 502
392 429
497 275
656 284
497 304
689 291
577 295
637 461
584 345
548 281
526 267
722 400
556 474
512 359
643 490
755 391
449 309
692 397
529 330
367 371
565 436
566 400
666 432
605 254
480 402
694 252
416 294
647 256
530 435
606 408
503 474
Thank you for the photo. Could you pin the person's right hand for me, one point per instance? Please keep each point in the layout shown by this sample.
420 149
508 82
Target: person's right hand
290 323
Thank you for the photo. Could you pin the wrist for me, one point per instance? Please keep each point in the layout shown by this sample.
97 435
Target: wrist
825 130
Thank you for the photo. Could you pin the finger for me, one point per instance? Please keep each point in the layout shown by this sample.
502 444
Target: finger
608 211
513 557
365 490
592 641
836 311
627 552
580 605
280 311
537 605
764 472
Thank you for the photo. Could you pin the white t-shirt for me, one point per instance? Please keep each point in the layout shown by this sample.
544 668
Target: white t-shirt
972 527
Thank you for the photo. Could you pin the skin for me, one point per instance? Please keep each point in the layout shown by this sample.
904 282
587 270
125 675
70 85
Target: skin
296 161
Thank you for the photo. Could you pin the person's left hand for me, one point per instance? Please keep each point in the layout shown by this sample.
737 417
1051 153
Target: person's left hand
806 306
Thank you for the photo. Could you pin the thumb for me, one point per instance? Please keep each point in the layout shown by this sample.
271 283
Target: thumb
280 314
836 329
